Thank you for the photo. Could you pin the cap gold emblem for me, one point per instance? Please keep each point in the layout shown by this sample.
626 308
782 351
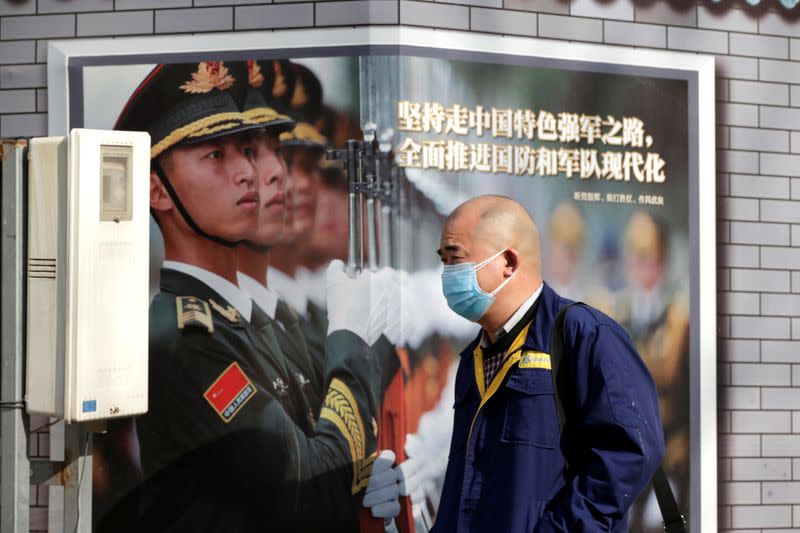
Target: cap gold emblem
254 76
209 75
279 87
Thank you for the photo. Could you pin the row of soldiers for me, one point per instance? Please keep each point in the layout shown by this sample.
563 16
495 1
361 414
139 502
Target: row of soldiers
263 408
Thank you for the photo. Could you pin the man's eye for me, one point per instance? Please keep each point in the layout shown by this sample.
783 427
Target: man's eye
214 154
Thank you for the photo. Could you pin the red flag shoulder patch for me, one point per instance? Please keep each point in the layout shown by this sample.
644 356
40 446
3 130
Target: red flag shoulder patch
228 394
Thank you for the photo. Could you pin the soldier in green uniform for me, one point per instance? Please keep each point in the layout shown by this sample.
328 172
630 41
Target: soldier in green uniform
266 87
268 83
225 444
290 330
303 149
254 254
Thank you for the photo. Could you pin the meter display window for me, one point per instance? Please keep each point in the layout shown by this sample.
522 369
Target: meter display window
115 183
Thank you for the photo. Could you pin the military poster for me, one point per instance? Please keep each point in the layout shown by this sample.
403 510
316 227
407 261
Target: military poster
602 158
602 163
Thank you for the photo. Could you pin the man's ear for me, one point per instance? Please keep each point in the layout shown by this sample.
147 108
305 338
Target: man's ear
512 261
160 200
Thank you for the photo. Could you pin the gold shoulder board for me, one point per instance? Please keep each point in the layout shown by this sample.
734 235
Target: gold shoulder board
193 312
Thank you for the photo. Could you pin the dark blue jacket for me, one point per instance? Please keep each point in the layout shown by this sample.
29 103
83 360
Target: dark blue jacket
508 472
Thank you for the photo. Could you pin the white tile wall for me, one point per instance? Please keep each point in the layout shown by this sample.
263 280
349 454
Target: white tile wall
758 86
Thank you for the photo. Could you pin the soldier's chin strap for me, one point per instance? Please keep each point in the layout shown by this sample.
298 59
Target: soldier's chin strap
156 166
257 247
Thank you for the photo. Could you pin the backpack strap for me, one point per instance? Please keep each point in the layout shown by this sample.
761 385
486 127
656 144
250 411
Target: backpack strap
557 335
673 521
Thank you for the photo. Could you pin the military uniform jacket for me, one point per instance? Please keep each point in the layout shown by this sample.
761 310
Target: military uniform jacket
304 343
222 445
315 328
291 343
510 470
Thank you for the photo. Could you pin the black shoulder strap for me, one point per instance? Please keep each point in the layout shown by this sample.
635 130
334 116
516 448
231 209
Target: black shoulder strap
673 519
556 354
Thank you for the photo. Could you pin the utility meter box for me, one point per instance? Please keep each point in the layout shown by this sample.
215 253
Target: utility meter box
87 275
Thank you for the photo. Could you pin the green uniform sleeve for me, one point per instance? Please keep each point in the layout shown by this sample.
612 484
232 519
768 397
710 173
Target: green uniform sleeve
247 436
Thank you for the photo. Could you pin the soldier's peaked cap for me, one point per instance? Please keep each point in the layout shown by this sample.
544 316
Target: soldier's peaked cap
265 94
186 103
306 100
305 106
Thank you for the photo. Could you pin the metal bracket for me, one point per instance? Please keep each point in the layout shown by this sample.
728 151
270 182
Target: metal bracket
367 187
60 473
50 473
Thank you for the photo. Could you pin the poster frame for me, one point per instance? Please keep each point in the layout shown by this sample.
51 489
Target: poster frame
66 59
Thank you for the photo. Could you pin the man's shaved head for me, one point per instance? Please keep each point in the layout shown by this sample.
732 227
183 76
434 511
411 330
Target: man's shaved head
499 221
499 234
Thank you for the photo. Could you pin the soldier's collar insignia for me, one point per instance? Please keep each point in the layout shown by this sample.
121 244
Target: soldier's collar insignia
532 359
302 380
281 388
254 76
229 313
193 312
209 75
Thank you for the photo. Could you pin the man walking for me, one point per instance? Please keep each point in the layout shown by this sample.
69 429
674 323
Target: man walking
510 468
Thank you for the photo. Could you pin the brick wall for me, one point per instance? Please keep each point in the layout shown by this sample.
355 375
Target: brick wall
758 157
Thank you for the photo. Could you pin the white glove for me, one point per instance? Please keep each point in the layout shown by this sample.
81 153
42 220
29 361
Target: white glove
423 299
397 321
356 304
411 472
383 493
417 308
381 319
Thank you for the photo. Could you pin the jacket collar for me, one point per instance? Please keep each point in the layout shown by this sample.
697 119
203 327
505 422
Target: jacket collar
227 289
182 284
538 338
263 296
550 303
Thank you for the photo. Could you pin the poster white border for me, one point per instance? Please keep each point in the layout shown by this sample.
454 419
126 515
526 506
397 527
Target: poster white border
703 424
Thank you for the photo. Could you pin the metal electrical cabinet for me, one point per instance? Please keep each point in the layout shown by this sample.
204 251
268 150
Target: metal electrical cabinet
87 275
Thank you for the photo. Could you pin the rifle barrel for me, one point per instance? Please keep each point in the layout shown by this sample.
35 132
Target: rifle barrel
355 258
